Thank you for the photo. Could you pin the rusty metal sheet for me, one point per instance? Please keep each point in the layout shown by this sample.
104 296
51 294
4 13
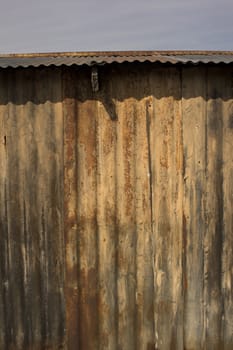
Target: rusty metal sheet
116 233
101 58
31 224
149 245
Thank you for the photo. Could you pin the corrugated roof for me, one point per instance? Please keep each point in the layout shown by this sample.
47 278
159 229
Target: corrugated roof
101 58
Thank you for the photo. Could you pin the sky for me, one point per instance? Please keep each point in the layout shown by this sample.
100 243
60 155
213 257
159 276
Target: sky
108 25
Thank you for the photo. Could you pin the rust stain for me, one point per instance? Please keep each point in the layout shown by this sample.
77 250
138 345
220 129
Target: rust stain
109 138
70 220
150 313
150 346
164 156
87 136
128 163
164 306
103 307
69 131
179 146
184 239
88 309
104 339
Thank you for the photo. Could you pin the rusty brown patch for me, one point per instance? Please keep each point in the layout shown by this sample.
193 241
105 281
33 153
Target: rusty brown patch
88 309
104 339
71 287
151 346
179 149
164 156
108 137
150 313
87 135
128 162
163 306
184 242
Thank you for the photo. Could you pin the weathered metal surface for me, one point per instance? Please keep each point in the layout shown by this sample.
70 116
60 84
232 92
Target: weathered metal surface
158 255
115 208
194 213
31 241
101 58
167 192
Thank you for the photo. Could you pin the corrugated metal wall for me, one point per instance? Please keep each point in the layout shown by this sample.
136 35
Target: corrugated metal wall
31 210
116 208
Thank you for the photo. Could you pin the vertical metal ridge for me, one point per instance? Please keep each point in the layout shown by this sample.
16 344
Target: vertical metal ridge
167 167
72 276
194 139
117 221
126 212
26 273
106 222
87 215
150 116
7 284
95 116
13 220
44 278
19 131
37 208
24 232
3 219
183 195
135 234
227 249
215 205
112 92
205 247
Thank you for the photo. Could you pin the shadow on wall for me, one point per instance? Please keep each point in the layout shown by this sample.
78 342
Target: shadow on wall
117 82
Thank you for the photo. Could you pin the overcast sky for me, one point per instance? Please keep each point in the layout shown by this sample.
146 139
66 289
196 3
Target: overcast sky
93 25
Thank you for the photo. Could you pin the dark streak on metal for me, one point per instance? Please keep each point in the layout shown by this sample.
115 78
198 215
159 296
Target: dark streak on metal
184 220
97 282
215 128
184 243
148 130
44 279
26 287
70 219
110 93
205 212
149 163
7 304
136 231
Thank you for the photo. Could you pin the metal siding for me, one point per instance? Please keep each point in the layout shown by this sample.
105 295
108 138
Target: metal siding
194 214
102 58
32 302
115 208
160 250
167 191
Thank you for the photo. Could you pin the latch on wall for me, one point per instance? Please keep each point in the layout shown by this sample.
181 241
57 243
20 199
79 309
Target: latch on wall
94 79
106 100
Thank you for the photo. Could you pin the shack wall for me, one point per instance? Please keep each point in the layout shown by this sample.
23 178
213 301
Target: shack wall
116 208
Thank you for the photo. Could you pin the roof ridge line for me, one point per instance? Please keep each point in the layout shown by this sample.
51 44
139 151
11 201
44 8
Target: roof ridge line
115 53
